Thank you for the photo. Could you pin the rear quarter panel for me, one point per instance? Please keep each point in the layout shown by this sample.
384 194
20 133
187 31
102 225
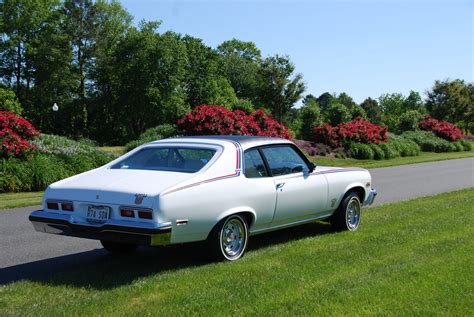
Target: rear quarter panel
341 181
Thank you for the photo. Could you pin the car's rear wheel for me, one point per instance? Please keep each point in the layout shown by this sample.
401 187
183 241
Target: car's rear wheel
117 247
348 214
228 240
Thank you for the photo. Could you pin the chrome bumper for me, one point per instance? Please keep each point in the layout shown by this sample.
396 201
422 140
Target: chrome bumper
121 231
370 199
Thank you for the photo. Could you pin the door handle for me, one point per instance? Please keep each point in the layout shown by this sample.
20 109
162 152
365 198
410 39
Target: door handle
280 186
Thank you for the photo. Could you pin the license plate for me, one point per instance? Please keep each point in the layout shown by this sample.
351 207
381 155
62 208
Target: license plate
97 214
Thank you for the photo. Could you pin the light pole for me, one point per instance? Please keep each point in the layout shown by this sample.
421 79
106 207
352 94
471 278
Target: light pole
55 109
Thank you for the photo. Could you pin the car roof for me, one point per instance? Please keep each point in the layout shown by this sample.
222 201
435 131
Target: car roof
246 141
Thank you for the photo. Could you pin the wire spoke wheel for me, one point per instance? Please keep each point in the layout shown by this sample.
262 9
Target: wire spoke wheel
353 214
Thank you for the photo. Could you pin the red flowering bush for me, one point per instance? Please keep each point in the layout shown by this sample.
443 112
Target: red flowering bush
15 134
217 120
357 130
443 129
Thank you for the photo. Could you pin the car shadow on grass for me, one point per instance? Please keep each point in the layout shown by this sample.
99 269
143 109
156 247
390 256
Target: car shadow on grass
100 270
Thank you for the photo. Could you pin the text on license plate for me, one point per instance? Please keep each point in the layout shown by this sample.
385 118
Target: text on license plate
98 213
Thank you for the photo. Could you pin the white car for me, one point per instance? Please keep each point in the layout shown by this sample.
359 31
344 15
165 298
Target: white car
216 188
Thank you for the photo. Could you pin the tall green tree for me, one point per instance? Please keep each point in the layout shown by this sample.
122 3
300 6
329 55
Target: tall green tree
453 101
239 63
325 100
373 110
310 115
280 88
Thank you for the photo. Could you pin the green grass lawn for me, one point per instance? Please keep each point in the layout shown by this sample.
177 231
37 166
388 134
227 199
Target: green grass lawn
14 200
422 158
407 258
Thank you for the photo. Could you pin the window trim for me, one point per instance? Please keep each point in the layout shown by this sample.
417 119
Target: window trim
309 165
265 164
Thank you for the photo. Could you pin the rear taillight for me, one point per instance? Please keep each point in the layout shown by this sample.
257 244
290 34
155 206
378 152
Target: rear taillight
127 212
52 205
145 214
67 206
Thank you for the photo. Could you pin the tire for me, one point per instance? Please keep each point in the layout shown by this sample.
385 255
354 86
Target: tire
347 216
228 240
117 247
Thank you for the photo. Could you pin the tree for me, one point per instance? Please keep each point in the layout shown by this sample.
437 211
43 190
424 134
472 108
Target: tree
310 115
324 101
239 63
372 109
279 88
409 121
21 22
453 101
414 102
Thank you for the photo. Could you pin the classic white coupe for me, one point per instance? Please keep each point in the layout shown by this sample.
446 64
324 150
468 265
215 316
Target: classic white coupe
216 188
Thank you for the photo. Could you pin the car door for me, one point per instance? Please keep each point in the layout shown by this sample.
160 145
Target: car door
258 188
300 194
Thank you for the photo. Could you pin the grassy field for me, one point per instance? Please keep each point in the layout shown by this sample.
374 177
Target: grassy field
422 158
14 200
408 258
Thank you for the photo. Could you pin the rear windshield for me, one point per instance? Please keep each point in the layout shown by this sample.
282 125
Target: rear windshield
174 159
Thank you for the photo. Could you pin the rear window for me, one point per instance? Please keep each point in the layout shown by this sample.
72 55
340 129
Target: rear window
173 159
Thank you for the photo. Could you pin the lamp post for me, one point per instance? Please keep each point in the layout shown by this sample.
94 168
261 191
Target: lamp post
55 109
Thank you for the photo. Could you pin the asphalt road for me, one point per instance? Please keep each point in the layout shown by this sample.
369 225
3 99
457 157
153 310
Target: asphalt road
26 254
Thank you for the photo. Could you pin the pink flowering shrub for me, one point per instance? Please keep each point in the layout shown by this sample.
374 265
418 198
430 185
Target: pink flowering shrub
357 130
15 135
443 129
217 120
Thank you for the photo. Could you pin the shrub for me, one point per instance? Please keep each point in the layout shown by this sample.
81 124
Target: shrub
56 158
216 120
337 113
357 130
9 102
389 150
443 129
361 151
326 134
467 146
378 152
404 147
427 141
16 134
312 148
409 121
157 133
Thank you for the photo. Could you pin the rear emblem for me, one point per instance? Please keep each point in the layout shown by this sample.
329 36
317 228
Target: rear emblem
139 198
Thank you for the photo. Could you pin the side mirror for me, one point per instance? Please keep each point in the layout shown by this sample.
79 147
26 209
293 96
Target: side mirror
297 169
312 167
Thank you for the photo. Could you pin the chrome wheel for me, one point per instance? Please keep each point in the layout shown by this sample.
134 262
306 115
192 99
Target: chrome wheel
233 238
353 214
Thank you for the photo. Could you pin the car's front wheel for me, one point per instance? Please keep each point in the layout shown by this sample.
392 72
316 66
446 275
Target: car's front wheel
117 247
347 215
228 240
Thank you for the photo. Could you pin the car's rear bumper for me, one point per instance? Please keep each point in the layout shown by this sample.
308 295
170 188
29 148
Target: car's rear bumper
370 199
62 224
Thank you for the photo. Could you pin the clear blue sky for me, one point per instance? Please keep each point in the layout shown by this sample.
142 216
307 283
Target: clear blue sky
364 48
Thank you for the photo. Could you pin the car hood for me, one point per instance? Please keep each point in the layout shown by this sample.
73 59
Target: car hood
116 186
